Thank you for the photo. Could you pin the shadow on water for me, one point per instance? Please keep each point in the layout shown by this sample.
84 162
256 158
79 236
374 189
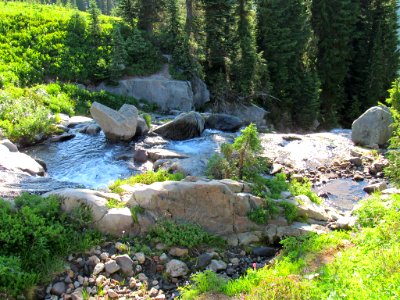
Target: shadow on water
342 193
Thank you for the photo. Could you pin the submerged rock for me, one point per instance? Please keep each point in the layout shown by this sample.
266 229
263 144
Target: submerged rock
223 122
183 127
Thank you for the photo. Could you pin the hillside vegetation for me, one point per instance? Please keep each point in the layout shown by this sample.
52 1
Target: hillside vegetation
46 42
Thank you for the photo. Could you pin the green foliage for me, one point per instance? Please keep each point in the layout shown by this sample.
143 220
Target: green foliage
241 159
135 211
287 42
376 63
114 203
34 237
275 186
369 254
187 235
13 279
147 119
23 116
263 214
334 56
148 177
304 188
207 281
393 170
291 211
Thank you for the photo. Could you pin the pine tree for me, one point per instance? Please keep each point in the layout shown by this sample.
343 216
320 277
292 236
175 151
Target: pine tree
219 25
247 60
334 25
149 14
127 9
119 55
376 62
286 39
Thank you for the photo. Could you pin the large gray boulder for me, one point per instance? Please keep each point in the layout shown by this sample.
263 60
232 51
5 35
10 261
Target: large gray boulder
167 93
223 122
185 126
19 162
117 125
201 94
373 127
247 113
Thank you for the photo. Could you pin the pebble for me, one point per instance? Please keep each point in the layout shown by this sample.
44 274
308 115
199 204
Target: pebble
111 267
98 268
163 258
141 258
217 265
58 288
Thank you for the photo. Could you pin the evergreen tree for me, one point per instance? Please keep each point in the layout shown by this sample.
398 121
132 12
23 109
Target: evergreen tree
334 25
127 9
286 39
94 29
149 14
119 55
219 27
376 62
246 62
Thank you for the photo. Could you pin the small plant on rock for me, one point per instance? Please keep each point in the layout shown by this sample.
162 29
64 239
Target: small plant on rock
239 160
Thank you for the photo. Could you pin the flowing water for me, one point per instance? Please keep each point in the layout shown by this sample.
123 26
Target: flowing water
93 162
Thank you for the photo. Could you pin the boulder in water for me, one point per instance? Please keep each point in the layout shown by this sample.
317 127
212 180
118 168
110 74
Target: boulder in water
17 162
247 113
142 128
373 127
223 122
117 125
185 126
201 94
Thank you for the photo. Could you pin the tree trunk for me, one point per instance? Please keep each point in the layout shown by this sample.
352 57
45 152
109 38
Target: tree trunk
189 17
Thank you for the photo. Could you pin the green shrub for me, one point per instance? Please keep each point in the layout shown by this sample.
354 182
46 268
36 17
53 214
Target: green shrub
13 279
241 159
148 177
187 235
298 188
263 214
291 211
147 119
393 170
207 281
114 203
40 236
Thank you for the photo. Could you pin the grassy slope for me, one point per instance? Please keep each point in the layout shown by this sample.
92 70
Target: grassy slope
32 41
361 264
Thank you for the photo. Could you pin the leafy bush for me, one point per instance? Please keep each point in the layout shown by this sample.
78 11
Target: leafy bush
114 203
291 211
148 177
393 170
22 117
187 235
40 41
39 235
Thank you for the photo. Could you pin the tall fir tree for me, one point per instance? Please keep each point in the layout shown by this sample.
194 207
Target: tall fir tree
334 25
286 39
149 13
119 55
127 9
246 62
376 62
219 28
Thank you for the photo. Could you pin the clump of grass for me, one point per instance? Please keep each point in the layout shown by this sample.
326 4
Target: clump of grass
147 119
304 188
148 177
135 210
187 235
114 203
